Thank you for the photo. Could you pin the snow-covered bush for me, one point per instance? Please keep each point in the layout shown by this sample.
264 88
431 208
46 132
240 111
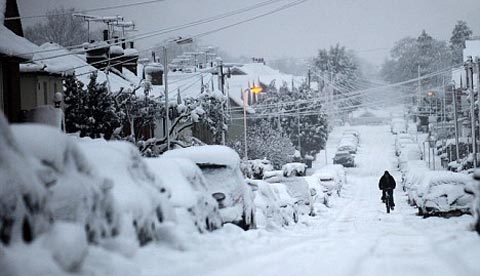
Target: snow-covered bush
195 207
23 191
76 193
221 167
142 199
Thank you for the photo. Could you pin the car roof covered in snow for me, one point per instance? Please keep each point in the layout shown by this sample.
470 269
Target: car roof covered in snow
207 155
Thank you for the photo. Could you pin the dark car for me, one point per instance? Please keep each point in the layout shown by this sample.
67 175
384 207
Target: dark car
344 158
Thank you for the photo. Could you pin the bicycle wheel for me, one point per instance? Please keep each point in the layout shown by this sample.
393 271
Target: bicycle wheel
387 203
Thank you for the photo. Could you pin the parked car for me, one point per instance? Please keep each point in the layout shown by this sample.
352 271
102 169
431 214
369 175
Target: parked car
194 206
288 205
255 168
267 203
297 188
141 196
446 194
344 158
347 145
77 193
398 125
476 203
221 167
294 169
352 132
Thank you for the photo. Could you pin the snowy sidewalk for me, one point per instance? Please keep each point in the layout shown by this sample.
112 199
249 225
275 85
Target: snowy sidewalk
354 237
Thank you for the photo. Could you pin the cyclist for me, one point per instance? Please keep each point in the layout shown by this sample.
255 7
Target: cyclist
387 185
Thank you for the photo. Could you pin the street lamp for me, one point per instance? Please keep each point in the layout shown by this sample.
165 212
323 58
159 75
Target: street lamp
179 41
256 90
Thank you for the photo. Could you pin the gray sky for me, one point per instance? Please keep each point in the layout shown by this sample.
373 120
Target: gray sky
367 26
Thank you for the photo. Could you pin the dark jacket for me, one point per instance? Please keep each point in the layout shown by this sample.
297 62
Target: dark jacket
387 182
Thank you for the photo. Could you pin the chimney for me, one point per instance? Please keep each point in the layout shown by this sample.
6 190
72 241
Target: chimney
105 35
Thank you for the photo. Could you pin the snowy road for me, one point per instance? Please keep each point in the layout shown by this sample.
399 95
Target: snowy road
354 237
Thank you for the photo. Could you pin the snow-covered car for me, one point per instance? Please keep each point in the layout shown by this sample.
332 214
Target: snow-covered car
288 205
409 152
398 125
344 158
256 168
352 132
328 181
23 192
194 206
347 145
297 188
221 167
445 193
77 193
476 203
141 197
401 141
267 203
294 169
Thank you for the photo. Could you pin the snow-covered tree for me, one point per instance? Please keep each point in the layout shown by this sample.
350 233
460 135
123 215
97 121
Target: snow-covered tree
460 33
59 26
90 111
265 142
411 56
298 113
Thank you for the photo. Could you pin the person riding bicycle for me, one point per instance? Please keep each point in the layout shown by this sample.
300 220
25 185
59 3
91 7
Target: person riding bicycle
387 185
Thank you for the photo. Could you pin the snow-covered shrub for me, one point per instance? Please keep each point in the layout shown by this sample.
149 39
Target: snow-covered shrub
195 207
76 192
23 192
221 167
141 197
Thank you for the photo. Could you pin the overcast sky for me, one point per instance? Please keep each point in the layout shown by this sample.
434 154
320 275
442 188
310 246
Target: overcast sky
368 26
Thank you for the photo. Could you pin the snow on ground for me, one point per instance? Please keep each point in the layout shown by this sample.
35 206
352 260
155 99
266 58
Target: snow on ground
354 237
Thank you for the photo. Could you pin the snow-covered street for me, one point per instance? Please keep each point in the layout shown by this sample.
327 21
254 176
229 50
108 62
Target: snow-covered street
354 237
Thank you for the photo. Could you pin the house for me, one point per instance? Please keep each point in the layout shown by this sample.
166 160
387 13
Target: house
14 49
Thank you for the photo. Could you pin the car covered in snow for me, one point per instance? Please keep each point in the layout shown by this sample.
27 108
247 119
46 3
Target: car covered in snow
142 199
221 167
442 193
194 206
256 168
344 158
476 203
77 193
398 125
297 188
268 205
294 169
347 145
327 182
352 132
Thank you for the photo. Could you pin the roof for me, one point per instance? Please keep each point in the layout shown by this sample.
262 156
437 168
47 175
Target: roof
253 73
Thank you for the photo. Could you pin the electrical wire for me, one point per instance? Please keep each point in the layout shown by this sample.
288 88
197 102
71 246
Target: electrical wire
85 11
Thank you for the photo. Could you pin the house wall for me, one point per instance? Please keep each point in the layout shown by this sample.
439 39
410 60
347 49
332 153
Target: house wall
37 90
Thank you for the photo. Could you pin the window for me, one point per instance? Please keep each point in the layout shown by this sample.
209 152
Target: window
45 93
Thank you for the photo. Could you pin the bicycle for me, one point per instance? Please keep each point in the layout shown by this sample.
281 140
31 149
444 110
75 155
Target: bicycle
386 200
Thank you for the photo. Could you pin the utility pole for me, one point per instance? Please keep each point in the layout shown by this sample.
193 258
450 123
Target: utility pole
165 74
221 86
455 121
469 71
309 78
244 94
298 129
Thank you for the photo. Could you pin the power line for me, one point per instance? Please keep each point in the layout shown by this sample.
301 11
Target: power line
85 11
168 29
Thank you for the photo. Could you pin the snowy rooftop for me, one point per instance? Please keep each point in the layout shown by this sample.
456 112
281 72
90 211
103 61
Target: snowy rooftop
53 58
255 72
